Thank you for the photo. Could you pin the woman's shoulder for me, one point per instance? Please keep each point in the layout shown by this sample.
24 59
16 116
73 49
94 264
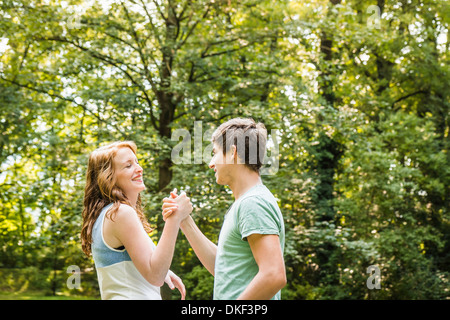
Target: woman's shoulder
123 212
126 208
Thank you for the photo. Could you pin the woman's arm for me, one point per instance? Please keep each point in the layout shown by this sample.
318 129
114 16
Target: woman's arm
204 248
174 281
152 264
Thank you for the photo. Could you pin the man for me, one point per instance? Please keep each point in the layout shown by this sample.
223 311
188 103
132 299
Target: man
248 261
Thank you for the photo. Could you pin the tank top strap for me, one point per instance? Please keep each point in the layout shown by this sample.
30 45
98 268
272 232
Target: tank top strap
103 254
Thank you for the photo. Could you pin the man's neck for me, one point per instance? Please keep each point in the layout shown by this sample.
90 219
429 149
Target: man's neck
243 182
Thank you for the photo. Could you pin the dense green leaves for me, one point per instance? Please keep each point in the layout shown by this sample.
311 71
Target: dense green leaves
356 95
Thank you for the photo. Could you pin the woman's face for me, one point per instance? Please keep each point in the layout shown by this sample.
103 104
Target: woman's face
128 172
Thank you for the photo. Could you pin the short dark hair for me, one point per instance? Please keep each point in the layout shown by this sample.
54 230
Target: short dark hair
249 137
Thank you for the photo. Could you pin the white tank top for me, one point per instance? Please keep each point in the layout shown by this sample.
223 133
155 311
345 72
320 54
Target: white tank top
117 275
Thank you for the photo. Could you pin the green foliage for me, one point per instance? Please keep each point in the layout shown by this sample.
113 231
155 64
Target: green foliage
199 283
361 114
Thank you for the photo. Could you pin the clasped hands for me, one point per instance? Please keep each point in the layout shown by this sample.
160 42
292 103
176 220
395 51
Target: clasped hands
177 207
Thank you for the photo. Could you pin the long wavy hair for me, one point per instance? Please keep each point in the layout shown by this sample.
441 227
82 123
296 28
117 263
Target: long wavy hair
101 190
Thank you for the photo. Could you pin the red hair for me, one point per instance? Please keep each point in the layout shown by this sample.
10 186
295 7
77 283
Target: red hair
101 190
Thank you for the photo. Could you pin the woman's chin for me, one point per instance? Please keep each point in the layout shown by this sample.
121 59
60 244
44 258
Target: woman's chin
140 187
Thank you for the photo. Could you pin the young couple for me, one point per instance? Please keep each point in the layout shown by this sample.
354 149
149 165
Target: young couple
247 262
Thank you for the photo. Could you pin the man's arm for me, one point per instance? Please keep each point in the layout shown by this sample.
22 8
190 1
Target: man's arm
271 276
203 247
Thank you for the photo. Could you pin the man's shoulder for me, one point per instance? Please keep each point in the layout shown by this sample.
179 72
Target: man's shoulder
261 201
259 195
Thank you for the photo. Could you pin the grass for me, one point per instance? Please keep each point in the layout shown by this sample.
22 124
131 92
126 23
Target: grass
41 296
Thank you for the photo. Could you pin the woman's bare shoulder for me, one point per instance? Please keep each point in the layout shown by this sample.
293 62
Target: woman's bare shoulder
124 212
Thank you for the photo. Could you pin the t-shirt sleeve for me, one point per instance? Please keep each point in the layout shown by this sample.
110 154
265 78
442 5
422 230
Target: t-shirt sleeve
256 216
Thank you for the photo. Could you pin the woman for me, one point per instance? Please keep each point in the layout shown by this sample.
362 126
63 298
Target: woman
115 230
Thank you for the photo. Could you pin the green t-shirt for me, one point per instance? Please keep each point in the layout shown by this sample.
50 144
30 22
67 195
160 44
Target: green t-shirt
255 212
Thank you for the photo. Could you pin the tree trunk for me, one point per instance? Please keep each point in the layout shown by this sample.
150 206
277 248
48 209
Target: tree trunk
328 151
326 162
166 97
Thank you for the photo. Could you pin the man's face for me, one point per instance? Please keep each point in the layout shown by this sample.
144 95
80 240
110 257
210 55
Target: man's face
223 164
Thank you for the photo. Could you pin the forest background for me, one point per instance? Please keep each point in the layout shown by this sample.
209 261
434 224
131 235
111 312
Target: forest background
354 94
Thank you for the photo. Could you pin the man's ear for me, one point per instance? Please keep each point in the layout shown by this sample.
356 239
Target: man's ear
234 154
231 155
233 151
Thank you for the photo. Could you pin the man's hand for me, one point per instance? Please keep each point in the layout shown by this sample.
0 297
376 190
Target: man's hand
174 202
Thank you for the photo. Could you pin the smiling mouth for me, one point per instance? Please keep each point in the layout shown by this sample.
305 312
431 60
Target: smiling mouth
139 179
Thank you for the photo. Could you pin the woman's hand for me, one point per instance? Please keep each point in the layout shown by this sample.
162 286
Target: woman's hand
174 281
180 204
169 205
